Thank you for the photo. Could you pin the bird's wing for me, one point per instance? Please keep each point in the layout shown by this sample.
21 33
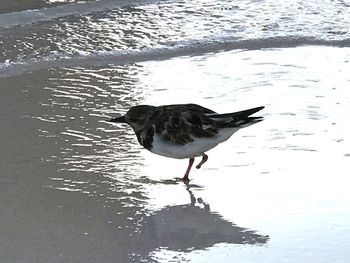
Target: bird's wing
180 124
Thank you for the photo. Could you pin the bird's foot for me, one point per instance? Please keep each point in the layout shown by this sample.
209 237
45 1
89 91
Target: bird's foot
185 179
204 159
182 179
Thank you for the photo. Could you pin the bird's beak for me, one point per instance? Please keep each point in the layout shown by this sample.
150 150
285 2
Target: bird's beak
119 120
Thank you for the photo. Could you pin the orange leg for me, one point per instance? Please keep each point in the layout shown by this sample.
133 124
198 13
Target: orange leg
204 159
188 169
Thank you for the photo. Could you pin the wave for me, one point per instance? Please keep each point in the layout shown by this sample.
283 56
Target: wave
21 18
179 49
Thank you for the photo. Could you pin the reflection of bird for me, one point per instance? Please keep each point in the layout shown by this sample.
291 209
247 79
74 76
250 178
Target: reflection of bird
184 130
193 226
195 200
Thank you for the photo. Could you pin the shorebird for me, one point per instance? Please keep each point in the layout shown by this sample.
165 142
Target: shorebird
184 130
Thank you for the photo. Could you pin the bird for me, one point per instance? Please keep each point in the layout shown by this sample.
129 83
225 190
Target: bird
184 131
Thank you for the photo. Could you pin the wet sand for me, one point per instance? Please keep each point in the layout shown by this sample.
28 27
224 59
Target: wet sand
75 188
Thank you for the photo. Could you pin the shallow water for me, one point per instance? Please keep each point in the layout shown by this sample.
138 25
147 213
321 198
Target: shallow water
74 187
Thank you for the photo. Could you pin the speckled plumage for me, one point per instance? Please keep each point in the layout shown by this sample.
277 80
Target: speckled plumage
184 130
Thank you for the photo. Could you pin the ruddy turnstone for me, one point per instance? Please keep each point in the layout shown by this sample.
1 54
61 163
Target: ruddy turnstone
184 130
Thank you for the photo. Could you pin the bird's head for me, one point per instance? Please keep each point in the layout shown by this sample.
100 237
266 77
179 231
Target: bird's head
137 117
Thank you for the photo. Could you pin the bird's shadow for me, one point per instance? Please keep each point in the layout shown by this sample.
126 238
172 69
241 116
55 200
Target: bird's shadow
193 226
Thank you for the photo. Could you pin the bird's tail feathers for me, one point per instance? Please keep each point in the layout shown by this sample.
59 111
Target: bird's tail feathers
239 119
247 121
237 114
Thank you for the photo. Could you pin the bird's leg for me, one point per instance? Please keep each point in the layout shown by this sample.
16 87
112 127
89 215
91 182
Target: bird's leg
188 169
204 159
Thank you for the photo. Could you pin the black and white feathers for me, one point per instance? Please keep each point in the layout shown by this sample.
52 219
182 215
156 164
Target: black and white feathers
184 130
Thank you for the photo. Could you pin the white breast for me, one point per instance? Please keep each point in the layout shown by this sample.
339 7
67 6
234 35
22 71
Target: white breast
195 148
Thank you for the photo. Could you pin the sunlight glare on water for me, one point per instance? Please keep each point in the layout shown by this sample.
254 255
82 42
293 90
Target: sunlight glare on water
296 161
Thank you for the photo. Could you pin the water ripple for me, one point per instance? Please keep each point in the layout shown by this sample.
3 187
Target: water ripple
178 28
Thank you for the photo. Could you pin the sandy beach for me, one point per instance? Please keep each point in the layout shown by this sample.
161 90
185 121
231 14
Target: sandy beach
76 188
